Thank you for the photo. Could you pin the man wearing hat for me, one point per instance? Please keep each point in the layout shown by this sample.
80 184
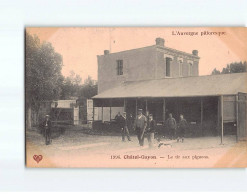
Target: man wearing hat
140 126
47 128
122 123
124 128
171 125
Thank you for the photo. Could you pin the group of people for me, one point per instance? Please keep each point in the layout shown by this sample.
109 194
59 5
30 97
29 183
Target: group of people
145 126
142 125
176 130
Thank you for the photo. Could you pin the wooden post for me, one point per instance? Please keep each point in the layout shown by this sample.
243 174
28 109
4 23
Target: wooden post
110 109
218 115
222 120
177 107
164 109
102 113
146 105
237 118
93 116
136 108
93 110
124 105
201 115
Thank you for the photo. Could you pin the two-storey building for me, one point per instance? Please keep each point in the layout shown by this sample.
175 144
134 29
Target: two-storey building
152 62
164 80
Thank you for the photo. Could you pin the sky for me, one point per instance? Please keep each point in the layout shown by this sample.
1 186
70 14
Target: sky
80 46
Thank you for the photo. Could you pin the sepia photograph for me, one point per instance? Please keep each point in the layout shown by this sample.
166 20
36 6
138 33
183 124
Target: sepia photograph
135 97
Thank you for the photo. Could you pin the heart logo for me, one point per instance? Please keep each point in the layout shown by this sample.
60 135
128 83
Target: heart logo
37 158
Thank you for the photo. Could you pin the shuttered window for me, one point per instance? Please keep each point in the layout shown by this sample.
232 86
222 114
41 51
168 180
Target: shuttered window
168 67
119 67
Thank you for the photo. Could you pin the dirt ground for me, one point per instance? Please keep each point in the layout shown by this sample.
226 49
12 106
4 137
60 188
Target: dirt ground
77 149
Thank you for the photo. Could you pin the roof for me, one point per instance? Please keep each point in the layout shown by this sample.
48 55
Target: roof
212 85
159 47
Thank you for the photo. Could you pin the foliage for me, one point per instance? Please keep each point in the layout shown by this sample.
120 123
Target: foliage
70 86
235 67
215 71
43 71
87 91
89 88
73 88
44 81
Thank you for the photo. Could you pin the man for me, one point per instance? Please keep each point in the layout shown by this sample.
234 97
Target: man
124 127
171 126
140 126
182 126
47 129
151 130
122 123
117 118
131 121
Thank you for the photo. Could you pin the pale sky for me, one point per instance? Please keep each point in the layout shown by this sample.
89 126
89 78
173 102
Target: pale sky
80 46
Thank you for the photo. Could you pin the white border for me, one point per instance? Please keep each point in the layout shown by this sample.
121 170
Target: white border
15 15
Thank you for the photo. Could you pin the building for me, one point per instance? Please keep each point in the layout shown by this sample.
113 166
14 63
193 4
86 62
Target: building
164 80
61 111
153 62
65 111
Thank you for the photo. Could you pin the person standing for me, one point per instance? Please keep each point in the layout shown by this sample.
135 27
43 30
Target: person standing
130 122
151 130
171 125
182 126
140 126
124 127
122 124
118 120
47 129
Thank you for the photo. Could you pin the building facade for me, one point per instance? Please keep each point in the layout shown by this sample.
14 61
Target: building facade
152 62
162 80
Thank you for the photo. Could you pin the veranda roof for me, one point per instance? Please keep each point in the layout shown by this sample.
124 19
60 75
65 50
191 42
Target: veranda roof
212 85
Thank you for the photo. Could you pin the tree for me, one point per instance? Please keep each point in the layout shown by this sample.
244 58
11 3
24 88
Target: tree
89 88
71 86
215 71
226 70
87 91
43 74
235 67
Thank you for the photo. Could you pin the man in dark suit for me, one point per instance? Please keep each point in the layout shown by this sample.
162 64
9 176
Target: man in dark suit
125 130
182 127
122 123
171 125
47 129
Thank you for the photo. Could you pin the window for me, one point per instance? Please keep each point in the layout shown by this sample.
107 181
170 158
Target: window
168 66
180 62
190 69
119 67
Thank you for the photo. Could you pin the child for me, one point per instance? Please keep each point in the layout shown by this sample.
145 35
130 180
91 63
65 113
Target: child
151 130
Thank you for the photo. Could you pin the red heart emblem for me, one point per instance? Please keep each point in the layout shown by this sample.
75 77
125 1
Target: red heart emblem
37 158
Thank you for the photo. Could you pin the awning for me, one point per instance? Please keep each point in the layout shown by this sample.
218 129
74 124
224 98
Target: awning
212 85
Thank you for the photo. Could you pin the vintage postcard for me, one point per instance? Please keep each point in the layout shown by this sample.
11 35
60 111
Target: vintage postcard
136 97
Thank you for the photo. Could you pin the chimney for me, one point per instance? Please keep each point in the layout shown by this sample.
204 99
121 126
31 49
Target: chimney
106 52
160 42
195 52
